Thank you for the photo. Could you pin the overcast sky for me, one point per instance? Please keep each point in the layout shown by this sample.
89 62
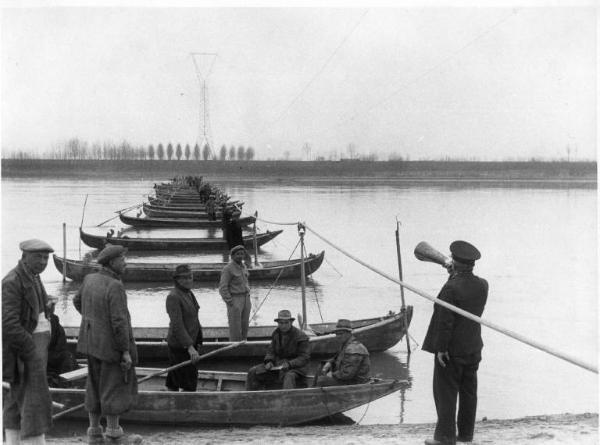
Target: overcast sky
461 82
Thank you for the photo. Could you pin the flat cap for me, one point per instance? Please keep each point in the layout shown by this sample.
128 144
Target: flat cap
284 315
109 252
464 252
35 245
234 249
182 270
343 325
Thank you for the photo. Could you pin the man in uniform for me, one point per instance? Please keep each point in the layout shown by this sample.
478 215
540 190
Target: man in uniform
27 410
456 344
286 362
235 291
106 337
351 365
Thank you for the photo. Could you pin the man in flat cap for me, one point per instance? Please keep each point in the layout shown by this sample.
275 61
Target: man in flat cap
27 410
351 365
456 344
235 292
106 338
185 332
286 363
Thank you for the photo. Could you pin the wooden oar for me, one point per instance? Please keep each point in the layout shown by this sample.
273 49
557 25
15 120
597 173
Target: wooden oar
119 213
6 385
162 371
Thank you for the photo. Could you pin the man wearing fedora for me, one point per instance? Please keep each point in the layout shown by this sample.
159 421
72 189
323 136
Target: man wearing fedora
106 338
235 292
27 413
456 344
185 332
351 365
286 362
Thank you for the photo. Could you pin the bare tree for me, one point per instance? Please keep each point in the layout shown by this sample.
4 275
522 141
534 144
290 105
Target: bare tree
169 151
232 153
351 149
306 149
196 152
151 151
188 152
241 153
223 153
178 152
160 152
249 154
206 152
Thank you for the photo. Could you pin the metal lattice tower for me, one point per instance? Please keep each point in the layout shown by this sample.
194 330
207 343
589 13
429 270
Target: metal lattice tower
204 131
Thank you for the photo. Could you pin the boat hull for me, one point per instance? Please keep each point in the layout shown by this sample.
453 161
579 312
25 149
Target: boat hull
207 272
377 334
197 244
179 222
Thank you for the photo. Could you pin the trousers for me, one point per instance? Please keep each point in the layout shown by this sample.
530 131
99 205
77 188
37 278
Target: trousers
28 406
238 317
457 380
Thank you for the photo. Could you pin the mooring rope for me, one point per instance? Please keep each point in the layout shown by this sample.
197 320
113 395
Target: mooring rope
516 336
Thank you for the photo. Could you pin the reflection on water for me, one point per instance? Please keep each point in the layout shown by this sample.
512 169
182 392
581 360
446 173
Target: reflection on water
520 232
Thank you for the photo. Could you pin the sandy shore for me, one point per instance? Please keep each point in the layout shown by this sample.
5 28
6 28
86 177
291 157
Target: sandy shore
554 429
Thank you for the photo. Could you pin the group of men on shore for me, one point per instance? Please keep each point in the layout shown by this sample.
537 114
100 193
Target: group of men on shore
106 339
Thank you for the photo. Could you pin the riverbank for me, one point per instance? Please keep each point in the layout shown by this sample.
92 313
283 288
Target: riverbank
556 429
533 172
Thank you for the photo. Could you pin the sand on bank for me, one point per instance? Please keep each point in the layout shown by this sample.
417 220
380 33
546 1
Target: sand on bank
552 429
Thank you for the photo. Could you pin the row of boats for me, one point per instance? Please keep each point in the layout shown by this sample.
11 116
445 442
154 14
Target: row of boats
221 398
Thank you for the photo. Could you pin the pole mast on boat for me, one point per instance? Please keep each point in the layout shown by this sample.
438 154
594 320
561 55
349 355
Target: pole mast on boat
205 136
301 231
403 308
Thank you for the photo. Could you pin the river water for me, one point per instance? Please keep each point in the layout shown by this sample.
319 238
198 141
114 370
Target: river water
539 247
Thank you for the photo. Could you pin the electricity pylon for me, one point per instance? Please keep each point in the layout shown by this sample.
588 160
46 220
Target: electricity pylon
204 131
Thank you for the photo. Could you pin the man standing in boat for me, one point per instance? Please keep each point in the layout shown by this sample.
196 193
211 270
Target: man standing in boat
235 291
106 338
351 365
185 332
456 344
27 413
286 362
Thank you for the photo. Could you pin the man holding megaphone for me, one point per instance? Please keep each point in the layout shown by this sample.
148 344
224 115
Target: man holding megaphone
456 343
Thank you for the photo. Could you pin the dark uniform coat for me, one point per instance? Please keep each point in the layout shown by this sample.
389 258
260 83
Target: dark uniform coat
184 326
291 347
20 312
351 364
105 331
453 333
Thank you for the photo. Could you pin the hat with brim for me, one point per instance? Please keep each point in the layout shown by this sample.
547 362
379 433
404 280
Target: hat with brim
35 245
234 249
343 325
183 270
284 315
464 252
110 252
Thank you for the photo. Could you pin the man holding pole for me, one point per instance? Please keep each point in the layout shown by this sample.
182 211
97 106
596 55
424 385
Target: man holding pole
27 413
456 344
106 337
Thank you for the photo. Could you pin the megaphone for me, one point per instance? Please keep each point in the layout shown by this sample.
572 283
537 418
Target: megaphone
425 252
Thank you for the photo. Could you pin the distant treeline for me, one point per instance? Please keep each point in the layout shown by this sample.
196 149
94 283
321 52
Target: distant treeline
76 149
575 172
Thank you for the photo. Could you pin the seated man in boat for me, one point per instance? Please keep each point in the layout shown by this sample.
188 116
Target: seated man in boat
60 359
286 362
351 365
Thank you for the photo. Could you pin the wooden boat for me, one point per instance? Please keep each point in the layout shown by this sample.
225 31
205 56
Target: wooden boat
377 334
166 212
222 400
198 244
144 272
136 221
186 205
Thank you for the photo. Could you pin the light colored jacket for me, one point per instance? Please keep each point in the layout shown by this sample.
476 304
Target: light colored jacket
234 281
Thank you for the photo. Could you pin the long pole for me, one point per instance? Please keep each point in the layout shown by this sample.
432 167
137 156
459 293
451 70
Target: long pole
403 308
301 231
81 224
64 268
255 243
162 371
